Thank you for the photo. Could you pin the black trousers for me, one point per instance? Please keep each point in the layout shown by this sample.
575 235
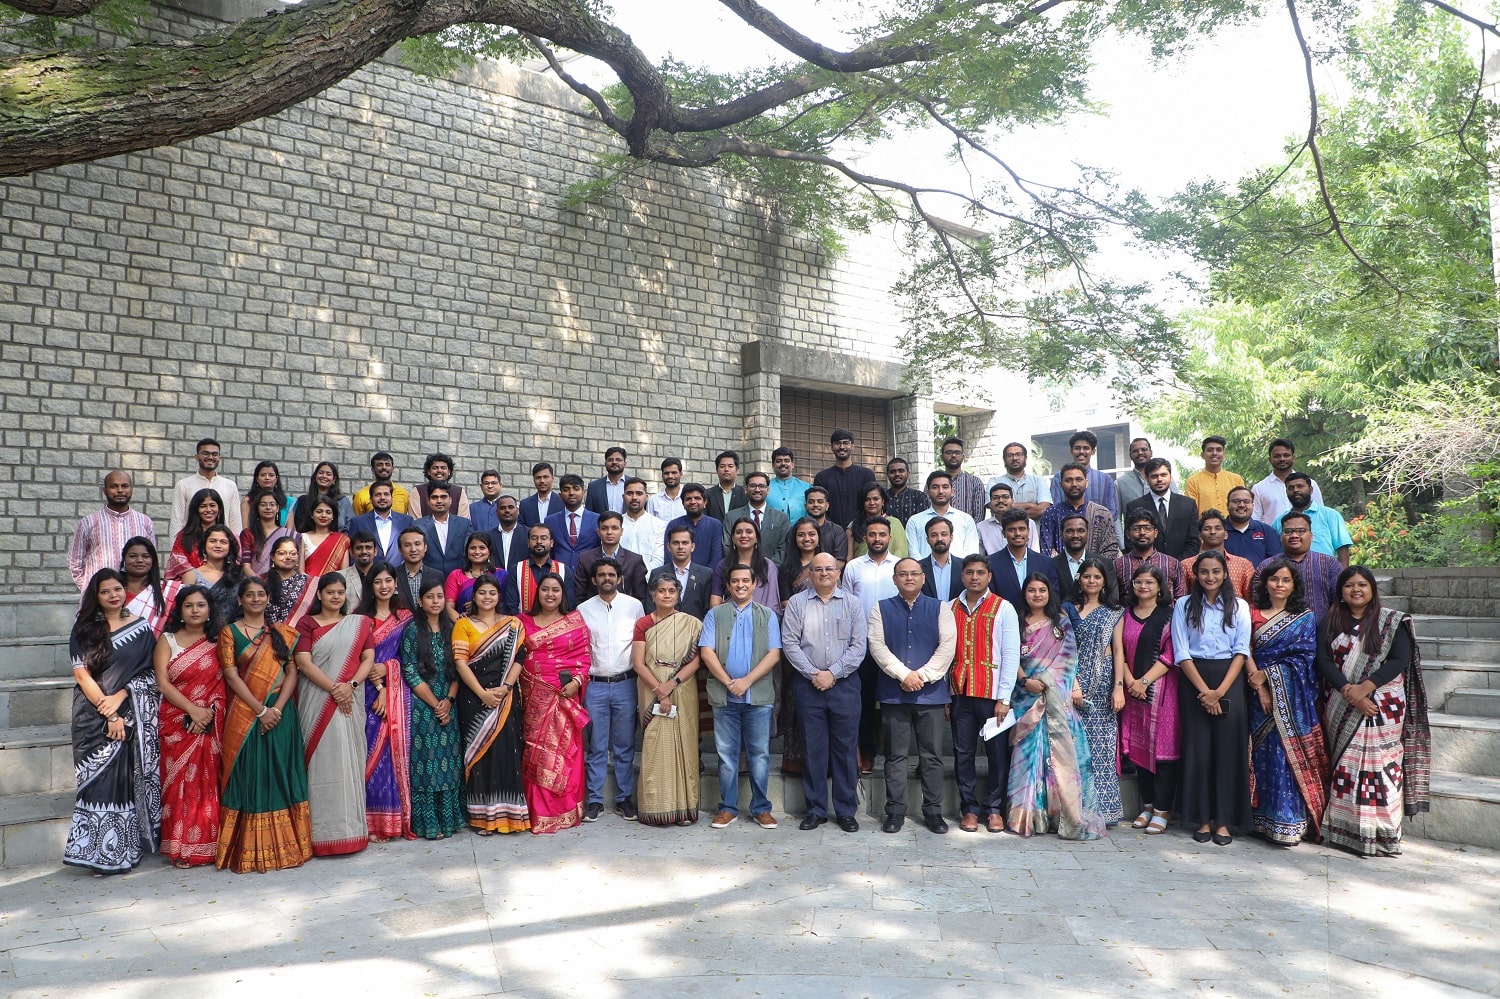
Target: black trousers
969 715
869 710
830 730
1215 751
900 722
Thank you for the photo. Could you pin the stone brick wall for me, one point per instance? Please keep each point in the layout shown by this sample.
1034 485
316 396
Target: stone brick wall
389 265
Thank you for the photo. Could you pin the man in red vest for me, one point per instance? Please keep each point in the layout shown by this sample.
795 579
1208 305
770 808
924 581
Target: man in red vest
982 678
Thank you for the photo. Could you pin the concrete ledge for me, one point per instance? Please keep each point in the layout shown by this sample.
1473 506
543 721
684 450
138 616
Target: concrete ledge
810 367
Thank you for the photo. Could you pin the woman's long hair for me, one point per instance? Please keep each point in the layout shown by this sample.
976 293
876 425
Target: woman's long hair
1296 601
791 562
257 490
757 561
857 525
1108 596
1053 610
1197 602
193 531
484 536
175 622
153 578
564 607
426 661
1341 622
90 628
273 632
233 571
333 490
1163 590
367 596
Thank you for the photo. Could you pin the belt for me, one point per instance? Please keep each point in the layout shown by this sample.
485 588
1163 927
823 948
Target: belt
618 678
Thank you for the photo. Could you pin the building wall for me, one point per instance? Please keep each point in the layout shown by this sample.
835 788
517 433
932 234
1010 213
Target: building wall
391 265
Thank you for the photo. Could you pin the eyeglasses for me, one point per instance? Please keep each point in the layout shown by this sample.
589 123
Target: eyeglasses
825 568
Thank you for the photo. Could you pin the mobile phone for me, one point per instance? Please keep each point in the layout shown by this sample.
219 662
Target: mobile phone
564 677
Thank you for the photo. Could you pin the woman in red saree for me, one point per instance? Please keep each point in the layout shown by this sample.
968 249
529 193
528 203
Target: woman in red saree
324 549
192 730
552 680
263 817
205 510
334 655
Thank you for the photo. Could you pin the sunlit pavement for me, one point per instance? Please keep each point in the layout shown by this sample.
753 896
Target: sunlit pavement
616 909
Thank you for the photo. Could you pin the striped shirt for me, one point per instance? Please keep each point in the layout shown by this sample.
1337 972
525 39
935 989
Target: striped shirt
99 541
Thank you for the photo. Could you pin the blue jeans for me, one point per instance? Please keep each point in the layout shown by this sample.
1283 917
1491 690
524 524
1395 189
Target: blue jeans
611 708
747 725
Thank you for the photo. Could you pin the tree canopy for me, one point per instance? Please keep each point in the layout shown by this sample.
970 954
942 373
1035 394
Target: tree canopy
1010 281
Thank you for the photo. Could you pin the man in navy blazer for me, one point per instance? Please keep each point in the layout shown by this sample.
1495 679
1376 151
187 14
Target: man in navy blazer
574 529
939 534
532 512
508 540
1017 556
446 533
381 497
608 493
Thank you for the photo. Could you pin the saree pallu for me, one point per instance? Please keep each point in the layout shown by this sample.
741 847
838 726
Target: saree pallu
264 823
117 808
257 557
190 763
495 794
180 559
1050 785
1096 678
1288 756
388 739
1150 730
552 725
143 605
334 742
329 556
668 788
1381 766
297 595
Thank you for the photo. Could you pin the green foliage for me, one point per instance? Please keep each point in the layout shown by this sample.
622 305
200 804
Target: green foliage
113 21
458 47
1388 535
1297 337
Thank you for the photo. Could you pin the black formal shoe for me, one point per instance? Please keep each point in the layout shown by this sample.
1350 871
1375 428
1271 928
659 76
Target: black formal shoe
936 824
848 823
811 822
1223 840
893 823
1202 837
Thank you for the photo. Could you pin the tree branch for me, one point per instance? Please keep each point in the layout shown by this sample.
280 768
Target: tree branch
54 8
1487 26
606 113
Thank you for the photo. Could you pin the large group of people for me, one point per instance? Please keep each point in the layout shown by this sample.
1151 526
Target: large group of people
302 675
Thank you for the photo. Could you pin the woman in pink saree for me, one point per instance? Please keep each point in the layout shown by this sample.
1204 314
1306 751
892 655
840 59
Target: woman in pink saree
552 680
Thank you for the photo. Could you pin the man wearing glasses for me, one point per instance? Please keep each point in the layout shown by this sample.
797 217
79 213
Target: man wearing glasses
208 455
1320 573
968 488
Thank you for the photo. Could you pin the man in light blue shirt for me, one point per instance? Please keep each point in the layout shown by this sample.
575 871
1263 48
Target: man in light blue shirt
787 491
1330 533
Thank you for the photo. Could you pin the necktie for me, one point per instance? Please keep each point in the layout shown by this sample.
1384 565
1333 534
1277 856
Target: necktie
757 519
1161 505
573 528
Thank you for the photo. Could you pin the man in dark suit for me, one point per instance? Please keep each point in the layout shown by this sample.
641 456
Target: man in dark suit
772 523
508 541
1075 539
383 522
519 589
695 580
940 570
1179 526
727 494
708 533
574 529
632 568
446 533
608 493
536 509
1010 567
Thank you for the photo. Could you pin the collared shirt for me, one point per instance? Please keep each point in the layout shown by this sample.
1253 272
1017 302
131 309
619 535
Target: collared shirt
614 493
965 533
1256 541
1101 490
229 496
505 542
400 500
869 581
905 503
666 508
1210 490
384 525
611 630
1241 572
1330 533
969 494
820 634
933 669
643 535
942 579
482 513
1103 541
789 495
1213 640
414 586
991 537
99 541
1005 639
544 506
1271 501
1020 568
1025 489
1129 486
741 641
1128 563
1074 564
441 528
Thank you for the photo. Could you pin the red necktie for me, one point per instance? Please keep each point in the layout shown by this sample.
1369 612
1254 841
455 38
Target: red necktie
757 519
573 529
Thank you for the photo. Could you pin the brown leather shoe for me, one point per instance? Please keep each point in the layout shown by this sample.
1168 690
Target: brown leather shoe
995 823
866 764
791 768
723 819
765 820
968 822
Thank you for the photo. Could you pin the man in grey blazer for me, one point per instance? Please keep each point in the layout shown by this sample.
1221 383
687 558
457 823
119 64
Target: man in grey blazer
773 524
695 580
446 532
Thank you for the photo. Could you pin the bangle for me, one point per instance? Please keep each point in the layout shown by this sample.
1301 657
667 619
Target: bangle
263 710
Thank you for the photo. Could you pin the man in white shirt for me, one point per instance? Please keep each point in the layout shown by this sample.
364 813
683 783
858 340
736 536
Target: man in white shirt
208 455
870 579
610 696
666 506
1270 493
642 531
965 531
986 659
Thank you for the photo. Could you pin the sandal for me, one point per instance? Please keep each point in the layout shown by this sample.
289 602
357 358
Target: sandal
1143 819
1158 823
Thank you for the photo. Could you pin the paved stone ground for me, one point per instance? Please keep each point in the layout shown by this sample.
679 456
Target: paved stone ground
615 909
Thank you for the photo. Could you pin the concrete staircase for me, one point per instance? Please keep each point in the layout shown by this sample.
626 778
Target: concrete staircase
1457 618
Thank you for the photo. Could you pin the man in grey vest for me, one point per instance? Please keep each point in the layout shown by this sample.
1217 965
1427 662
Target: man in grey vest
740 645
912 638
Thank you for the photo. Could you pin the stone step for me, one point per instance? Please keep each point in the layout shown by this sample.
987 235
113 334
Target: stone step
38 701
1444 676
36 616
34 827
1465 809
1479 650
1451 626
1465 744
38 657
1395 601
1479 701
36 758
